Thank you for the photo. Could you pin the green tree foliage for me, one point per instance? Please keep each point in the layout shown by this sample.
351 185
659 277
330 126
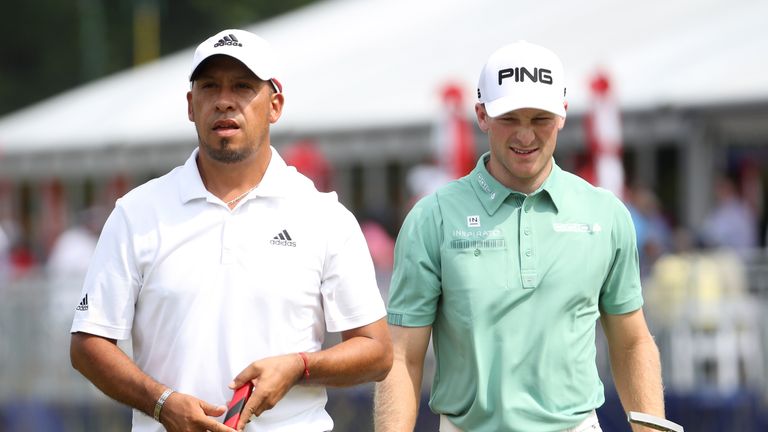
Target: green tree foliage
49 46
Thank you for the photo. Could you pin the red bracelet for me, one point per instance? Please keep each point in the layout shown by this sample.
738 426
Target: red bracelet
306 364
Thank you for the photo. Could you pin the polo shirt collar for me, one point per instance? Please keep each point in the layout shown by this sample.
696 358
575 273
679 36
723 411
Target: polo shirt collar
553 186
272 184
190 183
489 191
276 181
492 194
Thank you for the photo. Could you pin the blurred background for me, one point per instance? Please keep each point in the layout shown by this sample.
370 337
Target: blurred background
668 107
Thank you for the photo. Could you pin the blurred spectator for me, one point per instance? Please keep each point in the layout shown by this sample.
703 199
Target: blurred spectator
425 178
382 248
68 263
307 158
453 152
732 223
17 258
72 250
652 228
21 258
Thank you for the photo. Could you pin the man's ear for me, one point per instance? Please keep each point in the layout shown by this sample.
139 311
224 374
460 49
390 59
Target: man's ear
190 112
277 100
482 117
560 122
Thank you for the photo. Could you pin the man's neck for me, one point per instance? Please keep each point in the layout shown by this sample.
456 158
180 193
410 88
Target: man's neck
520 185
228 180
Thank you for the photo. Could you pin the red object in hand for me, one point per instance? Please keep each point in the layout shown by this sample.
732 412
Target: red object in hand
236 405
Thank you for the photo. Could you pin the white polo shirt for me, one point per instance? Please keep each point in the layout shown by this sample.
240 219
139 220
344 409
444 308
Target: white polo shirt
204 291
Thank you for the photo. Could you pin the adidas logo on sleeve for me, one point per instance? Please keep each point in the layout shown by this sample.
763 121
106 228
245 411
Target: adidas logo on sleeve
283 239
83 306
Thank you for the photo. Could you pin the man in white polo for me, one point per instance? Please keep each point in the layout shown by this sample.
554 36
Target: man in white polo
229 269
508 269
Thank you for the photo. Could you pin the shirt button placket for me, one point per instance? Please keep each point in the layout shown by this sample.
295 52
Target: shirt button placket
227 240
527 250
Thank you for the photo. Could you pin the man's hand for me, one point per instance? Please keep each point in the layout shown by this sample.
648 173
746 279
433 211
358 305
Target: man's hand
185 413
272 377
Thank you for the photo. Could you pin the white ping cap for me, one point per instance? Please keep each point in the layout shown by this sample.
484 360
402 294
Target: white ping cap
522 75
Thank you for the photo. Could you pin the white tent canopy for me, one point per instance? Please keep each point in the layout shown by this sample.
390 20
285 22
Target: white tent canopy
350 64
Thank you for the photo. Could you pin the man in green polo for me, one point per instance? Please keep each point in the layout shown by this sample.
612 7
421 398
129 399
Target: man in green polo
508 269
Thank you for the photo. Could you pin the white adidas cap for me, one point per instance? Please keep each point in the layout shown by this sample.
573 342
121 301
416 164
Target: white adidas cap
522 75
251 50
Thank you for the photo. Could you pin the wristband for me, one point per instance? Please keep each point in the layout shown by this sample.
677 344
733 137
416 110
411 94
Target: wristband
306 364
160 402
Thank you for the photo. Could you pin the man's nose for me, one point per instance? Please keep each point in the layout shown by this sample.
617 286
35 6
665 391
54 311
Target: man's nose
224 100
525 135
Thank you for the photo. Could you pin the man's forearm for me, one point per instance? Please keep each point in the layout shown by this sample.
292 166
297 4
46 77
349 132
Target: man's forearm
113 372
364 355
352 362
637 375
396 400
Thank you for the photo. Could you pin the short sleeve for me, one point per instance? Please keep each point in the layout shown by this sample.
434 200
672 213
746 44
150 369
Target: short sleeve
111 284
416 282
351 296
622 291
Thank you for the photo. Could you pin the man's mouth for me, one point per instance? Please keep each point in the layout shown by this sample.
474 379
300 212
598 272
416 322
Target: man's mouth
522 152
225 124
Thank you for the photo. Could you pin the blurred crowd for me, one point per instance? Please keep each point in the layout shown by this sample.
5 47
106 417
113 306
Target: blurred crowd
68 255
704 291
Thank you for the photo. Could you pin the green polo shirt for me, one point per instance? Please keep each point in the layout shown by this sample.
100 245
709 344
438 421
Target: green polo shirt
513 286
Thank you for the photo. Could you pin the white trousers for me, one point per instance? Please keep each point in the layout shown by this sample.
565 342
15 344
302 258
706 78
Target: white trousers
590 424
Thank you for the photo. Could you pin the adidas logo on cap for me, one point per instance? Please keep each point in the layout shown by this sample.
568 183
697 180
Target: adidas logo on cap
252 51
228 40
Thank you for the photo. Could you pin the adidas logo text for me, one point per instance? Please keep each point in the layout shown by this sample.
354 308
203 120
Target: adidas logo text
228 40
83 306
283 239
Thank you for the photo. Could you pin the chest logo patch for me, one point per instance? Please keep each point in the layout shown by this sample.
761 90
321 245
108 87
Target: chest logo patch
577 227
473 221
283 239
